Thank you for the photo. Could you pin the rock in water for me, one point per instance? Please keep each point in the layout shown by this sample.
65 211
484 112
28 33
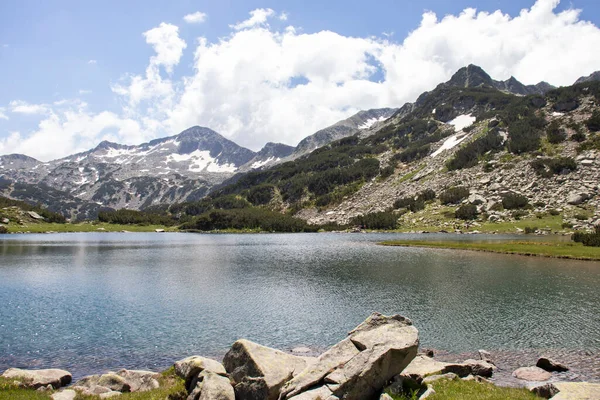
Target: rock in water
259 372
532 374
358 367
551 365
38 378
212 386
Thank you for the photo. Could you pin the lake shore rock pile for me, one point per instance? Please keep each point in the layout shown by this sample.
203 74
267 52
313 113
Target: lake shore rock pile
378 359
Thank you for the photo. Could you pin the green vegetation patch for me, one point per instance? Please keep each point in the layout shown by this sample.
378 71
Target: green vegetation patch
526 248
471 390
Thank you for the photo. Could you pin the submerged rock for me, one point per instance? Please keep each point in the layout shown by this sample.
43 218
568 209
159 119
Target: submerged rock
259 372
38 378
534 374
359 366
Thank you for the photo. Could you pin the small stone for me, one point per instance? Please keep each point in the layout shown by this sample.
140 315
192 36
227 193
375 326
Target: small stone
545 391
67 394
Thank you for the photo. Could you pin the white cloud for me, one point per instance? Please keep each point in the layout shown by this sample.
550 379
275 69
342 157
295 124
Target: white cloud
261 84
283 16
195 18
23 107
84 91
92 62
2 113
258 17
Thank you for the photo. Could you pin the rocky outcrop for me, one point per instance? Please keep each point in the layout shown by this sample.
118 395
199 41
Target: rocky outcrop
360 365
545 391
259 372
39 378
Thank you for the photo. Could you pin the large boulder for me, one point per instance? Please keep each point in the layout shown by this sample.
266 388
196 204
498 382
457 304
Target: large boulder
577 391
140 381
259 372
190 367
359 366
39 378
212 386
423 366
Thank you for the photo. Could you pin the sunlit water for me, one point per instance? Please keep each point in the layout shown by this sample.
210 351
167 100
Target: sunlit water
92 302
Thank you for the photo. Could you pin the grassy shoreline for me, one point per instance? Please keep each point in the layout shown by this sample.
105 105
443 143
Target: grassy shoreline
567 250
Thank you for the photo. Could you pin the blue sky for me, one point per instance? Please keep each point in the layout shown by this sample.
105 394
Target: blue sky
76 72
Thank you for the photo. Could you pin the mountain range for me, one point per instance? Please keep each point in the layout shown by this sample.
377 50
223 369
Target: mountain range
188 166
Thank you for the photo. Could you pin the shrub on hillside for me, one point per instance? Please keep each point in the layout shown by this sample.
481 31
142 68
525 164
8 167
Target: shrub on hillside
427 195
530 229
410 203
261 194
546 167
466 212
578 137
3 229
454 195
514 201
248 218
593 123
524 136
377 220
468 156
555 133
588 239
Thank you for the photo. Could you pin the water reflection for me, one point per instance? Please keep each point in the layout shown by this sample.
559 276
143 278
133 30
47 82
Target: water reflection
91 302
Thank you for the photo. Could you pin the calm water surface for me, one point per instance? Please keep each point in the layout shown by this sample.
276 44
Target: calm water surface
91 302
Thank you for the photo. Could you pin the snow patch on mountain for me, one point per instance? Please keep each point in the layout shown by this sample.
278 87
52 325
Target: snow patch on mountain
259 164
449 143
372 121
462 121
200 160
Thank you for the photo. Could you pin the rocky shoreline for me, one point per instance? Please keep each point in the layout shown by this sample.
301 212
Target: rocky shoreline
378 358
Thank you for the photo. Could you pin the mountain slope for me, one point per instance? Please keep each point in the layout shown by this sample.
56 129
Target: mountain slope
348 127
532 157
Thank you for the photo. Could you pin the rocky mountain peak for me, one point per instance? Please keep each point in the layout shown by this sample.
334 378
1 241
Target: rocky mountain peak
470 76
593 77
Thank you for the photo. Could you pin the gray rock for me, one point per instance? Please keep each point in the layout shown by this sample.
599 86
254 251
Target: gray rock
212 386
577 391
545 391
98 384
259 372
38 378
422 367
5 220
67 394
359 366
533 374
476 199
385 396
576 199
428 393
190 367
109 395
432 378
485 356
140 381
551 365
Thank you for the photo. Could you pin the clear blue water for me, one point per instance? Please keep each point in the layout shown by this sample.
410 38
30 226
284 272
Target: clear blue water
92 302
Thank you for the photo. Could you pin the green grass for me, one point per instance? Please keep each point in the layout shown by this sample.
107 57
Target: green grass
84 227
171 387
528 248
8 390
471 390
